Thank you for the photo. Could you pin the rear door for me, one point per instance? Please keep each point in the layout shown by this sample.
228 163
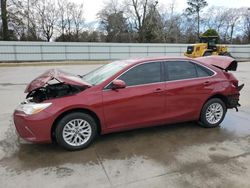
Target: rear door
142 102
187 88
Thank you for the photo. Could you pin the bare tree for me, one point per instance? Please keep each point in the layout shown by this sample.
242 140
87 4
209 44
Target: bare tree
23 20
188 31
77 16
215 17
112 6
114 23
172 24
153 27
195 7
234 16
246 19
62 6
47 17
70 20
4 17
137 10
120 21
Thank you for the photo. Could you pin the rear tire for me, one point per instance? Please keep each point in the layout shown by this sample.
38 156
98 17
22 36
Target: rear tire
213 113
76 131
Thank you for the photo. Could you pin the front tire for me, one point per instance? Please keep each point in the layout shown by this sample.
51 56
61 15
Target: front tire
213 113
76 131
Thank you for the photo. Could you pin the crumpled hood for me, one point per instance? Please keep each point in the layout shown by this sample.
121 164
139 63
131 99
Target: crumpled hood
222 62
55 74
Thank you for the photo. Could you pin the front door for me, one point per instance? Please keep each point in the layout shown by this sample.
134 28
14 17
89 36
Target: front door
141 103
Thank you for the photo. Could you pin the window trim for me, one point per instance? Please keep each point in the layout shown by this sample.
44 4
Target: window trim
161 74
164 77
192 62
198 66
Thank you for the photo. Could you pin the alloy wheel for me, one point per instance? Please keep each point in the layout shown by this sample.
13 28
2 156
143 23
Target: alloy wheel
77 132
214 113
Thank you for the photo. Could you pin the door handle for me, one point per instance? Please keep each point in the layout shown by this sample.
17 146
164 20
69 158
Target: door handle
206 83
158 90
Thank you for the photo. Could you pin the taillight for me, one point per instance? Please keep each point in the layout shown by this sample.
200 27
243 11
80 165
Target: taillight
232 79
235 83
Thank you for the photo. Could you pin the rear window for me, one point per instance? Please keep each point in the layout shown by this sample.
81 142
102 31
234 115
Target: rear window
203 72
180 70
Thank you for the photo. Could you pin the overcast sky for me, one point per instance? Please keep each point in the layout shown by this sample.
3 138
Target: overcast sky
91 7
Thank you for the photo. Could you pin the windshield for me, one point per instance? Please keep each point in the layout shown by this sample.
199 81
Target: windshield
104 72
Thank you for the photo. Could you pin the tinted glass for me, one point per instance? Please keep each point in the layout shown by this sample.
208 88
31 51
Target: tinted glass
142 74
203 72
190 49
178 70
106 71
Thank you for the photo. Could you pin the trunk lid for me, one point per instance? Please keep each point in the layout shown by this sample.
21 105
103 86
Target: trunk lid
55 74
222 62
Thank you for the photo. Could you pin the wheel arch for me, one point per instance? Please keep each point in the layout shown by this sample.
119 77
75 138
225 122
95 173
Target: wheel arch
219 96
84 110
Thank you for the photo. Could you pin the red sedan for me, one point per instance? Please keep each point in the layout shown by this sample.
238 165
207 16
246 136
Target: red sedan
129 94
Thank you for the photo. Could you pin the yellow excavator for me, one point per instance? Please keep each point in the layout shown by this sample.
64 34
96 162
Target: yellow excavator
208 46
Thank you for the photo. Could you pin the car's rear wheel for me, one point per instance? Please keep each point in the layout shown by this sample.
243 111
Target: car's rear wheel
76 131
213 113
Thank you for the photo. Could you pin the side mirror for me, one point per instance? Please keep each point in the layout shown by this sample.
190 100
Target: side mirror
118 84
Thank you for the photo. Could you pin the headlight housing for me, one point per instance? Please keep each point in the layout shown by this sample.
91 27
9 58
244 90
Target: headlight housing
32 108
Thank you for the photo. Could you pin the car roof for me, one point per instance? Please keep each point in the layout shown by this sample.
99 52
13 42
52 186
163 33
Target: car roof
135 61
164 58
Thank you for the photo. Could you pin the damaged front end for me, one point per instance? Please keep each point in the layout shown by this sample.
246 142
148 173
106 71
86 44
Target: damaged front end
54 84
53 91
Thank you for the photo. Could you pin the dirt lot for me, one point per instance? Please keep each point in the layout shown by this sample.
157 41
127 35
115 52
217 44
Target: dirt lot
182 155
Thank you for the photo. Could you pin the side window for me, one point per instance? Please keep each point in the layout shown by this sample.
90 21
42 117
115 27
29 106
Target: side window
142 74
203 72
178 70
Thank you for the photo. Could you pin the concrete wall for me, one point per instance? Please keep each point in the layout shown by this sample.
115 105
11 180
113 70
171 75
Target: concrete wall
61 51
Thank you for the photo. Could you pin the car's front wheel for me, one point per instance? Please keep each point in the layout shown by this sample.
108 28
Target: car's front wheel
213 113
76 131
